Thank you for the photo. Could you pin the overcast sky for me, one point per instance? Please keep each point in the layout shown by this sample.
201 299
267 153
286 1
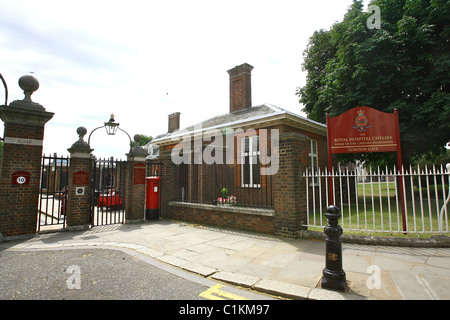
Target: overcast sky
143 60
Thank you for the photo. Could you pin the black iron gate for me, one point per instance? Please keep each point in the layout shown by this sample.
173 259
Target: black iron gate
108 192
53 193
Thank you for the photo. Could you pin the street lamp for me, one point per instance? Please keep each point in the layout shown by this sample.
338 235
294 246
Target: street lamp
111 128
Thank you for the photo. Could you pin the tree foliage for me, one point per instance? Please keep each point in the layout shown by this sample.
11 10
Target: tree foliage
144 140
404 65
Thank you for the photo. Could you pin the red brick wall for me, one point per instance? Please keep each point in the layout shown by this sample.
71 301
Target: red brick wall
19 203
134 193
289 187
240 87
169 182
78 206
223 219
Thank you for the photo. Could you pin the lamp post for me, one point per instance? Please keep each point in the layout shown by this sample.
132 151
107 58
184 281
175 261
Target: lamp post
111 129
6 89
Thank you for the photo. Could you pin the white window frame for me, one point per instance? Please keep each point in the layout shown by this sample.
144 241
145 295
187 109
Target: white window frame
253 153
313 154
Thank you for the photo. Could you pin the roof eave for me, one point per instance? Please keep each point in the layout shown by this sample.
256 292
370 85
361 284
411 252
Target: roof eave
274 118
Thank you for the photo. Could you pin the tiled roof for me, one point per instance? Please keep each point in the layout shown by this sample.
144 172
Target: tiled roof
235 118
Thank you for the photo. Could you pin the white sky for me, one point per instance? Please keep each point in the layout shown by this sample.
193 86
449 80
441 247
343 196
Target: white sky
143 60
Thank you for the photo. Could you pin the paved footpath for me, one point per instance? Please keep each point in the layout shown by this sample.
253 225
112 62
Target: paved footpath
279 266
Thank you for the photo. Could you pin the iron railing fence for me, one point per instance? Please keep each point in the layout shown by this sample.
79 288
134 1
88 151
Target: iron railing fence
53 192
413 200
107 196
203 183
108 192
154 169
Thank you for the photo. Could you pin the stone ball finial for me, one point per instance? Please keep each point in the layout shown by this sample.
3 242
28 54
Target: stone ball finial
137 149
137 138
28 84
81 145
81 132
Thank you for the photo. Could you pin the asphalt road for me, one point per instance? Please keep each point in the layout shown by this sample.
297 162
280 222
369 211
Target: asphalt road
102 274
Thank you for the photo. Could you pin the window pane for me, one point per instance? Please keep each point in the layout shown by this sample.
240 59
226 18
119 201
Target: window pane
246 171
254 158
314 164
313 146
256 174
250 165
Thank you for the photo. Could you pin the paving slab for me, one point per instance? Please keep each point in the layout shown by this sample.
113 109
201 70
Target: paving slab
198 269
411 287
322 294
288 290
236 278
291 268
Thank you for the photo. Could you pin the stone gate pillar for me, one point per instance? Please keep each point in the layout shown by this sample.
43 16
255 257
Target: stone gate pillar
289 188
79 184
135 183
20 172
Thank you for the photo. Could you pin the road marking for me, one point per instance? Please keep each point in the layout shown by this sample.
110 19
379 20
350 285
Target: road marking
215 293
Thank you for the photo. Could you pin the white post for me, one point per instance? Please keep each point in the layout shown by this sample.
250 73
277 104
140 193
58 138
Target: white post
441 222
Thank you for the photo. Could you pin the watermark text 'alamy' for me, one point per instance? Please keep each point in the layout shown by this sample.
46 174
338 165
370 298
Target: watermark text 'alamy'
229 146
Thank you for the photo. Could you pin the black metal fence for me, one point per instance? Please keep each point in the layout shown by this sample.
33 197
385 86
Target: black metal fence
154 169
107 196
108 192
224 184
53 192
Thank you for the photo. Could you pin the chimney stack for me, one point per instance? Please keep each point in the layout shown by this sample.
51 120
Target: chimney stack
174 122
240 87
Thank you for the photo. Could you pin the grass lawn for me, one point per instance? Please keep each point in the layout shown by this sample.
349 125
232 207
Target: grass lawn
379 212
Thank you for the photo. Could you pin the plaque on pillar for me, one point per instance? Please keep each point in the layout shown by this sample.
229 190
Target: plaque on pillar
81 178
139 173
21 178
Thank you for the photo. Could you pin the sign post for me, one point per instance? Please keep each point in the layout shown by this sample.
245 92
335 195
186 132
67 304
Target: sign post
361 130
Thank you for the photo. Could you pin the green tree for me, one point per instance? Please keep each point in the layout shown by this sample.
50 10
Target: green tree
405 64
144 140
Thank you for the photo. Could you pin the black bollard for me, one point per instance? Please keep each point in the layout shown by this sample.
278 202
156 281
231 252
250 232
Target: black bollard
333 275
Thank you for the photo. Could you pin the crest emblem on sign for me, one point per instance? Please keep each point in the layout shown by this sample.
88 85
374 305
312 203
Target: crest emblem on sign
361 121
